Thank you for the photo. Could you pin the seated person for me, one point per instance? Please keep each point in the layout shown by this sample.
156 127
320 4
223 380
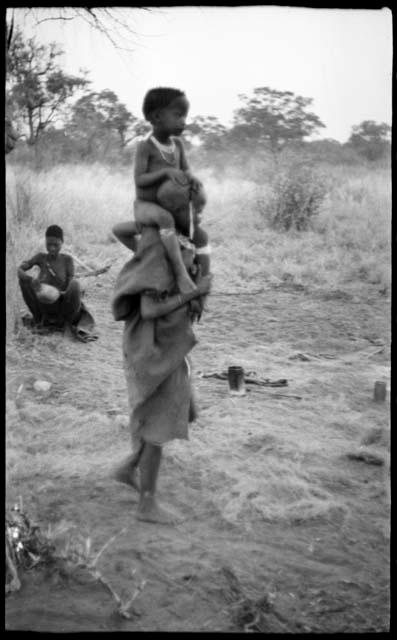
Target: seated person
168 195
59 303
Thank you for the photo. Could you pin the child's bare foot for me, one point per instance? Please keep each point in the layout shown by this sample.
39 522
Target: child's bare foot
150 511
128 475
186 285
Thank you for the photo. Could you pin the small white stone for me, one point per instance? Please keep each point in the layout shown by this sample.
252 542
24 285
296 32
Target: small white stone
42 386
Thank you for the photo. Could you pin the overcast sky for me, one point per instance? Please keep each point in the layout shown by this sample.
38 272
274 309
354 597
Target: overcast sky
342 59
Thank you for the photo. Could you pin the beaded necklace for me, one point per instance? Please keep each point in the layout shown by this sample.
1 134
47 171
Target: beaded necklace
165 148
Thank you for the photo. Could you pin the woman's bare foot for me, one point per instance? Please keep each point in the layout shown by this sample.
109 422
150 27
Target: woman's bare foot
150 511
128 475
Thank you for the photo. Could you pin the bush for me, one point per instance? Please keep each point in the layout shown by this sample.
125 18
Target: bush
297 194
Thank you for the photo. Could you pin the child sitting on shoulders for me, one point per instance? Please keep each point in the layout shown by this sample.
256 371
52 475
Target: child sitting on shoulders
168 196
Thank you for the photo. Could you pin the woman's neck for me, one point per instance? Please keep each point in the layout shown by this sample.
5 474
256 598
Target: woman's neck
52 258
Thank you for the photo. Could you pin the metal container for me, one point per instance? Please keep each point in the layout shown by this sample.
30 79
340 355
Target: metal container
235 377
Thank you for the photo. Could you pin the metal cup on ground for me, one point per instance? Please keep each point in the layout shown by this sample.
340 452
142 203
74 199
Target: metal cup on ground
380 391
235 376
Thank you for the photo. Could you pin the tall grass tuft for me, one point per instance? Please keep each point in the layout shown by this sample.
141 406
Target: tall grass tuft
298 192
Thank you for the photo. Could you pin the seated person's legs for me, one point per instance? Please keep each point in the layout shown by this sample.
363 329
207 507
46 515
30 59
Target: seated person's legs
30 298
71 302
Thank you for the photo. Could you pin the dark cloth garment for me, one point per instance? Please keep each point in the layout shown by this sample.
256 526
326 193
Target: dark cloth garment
68 309
155 351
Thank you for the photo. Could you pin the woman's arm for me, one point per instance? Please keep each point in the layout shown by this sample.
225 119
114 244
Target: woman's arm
126 233
26 265
152 307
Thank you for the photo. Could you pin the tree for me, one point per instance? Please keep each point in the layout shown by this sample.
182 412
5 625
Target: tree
99 117
275 118
209 132
114 23
370 139
37 88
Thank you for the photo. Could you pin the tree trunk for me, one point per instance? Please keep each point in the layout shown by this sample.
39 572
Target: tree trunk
31 139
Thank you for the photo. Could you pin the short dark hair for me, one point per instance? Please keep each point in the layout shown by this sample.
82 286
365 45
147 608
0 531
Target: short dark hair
159 98
53 231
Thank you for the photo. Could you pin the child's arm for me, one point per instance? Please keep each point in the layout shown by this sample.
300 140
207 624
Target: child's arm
126 233
143 177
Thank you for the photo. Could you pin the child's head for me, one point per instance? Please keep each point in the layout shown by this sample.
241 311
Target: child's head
166 109
53 239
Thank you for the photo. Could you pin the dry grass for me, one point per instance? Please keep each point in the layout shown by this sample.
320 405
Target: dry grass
253 464
349 244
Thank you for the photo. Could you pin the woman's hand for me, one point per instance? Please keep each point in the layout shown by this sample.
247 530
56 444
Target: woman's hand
196 309
204 284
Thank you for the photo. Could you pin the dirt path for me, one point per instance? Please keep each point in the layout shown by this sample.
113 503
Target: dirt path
275 505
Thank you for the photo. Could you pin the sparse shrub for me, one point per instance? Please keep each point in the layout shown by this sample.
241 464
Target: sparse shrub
297 194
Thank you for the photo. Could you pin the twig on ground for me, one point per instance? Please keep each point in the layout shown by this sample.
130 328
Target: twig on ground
90 271
123 609
91 566
94 272
109 542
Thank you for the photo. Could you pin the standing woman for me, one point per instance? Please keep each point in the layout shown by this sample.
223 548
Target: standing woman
156 341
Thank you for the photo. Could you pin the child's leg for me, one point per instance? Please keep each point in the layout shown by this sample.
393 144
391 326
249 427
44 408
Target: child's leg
148 509
151 214
126 233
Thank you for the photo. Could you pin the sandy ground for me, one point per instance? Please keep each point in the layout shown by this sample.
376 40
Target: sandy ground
284 529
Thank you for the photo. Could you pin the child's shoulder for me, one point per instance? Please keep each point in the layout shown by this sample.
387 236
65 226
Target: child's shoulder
144 146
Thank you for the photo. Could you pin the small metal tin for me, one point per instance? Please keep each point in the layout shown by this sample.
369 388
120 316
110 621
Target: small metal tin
235 377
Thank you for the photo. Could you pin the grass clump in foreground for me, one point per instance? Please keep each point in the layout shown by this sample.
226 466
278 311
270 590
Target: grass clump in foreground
298 193
27 547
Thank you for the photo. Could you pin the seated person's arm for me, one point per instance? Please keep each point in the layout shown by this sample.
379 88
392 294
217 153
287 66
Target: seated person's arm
143 177
26 265
69 271
152 307
126 233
